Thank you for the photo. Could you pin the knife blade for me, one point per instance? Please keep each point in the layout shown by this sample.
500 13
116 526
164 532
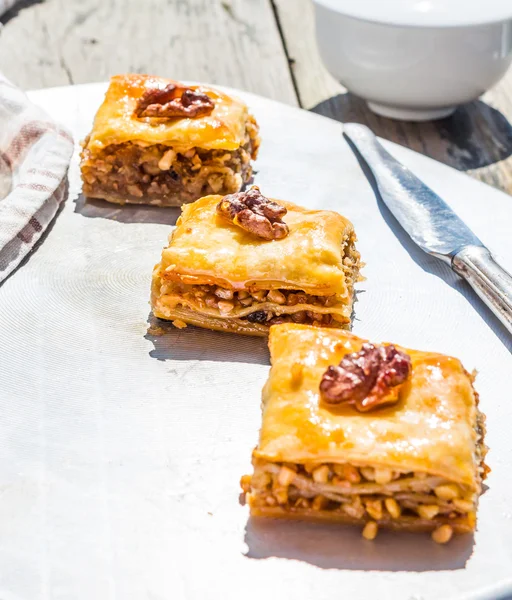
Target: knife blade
433 225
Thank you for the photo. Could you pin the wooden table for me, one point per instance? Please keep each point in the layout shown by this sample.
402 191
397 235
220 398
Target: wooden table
263 46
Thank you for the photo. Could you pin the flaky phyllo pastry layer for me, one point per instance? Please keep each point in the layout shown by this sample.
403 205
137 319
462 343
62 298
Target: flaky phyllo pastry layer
416 464
187 142
217 275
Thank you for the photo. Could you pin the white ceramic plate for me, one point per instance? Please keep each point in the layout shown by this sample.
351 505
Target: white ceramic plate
121 453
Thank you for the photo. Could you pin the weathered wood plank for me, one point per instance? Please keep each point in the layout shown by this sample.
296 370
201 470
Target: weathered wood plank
230 42
476 139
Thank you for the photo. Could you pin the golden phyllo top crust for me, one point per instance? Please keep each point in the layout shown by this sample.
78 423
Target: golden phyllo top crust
206 248
432 428
116 122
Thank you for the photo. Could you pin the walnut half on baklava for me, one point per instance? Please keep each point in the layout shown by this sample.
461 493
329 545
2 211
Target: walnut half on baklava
374 435
242 262
157 141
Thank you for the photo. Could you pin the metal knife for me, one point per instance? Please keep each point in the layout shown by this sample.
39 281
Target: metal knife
432 224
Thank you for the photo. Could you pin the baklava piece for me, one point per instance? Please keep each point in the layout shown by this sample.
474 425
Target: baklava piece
373 435
157 141
243 262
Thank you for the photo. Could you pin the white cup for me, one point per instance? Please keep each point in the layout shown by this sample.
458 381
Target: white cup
415 59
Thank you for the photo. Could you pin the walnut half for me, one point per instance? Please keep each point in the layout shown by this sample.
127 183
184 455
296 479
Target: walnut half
255 213
368 378
173 101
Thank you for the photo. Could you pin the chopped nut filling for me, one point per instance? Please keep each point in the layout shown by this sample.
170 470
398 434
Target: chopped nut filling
157 174
173 101
354 491
266 307
252 310
255 213
263 307
368 378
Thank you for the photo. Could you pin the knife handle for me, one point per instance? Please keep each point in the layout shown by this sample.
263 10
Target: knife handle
492 283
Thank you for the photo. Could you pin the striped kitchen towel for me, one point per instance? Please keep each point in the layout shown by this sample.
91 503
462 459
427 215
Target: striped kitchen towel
34 158
5 5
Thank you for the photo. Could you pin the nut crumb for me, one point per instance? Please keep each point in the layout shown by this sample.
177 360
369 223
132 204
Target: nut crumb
443 534
370 530
179 323
156 330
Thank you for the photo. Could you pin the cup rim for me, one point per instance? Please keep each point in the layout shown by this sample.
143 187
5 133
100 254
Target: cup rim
427 14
